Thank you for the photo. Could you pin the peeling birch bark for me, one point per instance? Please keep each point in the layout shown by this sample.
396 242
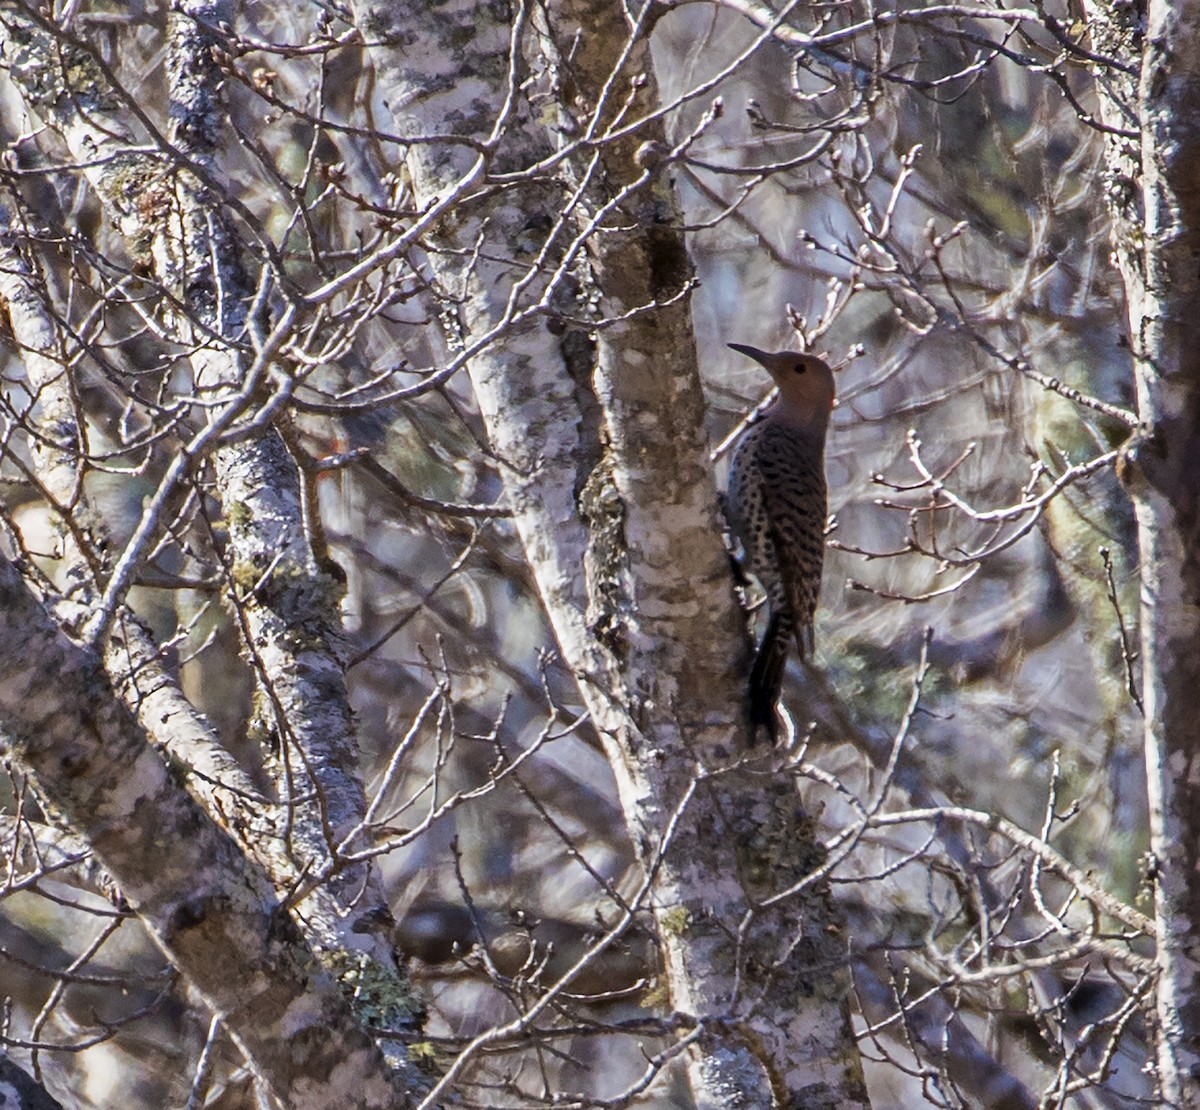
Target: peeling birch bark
292 606
1155 201
216 917
132 657
174 224
603 452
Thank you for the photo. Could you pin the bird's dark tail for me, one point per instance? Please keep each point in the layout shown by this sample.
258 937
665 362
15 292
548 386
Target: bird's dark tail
766 676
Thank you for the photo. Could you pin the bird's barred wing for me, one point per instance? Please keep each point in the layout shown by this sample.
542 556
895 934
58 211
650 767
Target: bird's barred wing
796 505
748 512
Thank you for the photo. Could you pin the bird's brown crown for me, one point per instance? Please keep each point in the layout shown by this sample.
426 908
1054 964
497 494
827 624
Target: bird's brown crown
806 390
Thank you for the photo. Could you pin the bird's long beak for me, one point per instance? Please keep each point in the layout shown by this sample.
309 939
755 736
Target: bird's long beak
753 352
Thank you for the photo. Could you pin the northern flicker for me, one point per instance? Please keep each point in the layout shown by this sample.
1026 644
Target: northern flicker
777 507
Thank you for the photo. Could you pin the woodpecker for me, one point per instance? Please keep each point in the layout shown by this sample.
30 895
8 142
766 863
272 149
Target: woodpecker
777 505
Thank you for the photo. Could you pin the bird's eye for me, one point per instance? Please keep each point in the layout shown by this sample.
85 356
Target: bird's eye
799 368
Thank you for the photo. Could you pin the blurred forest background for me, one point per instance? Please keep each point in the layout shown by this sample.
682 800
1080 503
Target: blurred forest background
248 255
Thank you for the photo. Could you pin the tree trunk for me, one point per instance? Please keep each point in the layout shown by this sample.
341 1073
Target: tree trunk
1155 192
601 440
214 914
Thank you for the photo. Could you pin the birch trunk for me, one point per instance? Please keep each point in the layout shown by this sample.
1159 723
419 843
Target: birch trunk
1155 197
192 252
215 916
600 436
178 230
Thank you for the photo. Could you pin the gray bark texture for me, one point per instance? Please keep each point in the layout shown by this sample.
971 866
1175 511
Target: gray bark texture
19 1092
1154 190
601 441
216 916
172 219
432 260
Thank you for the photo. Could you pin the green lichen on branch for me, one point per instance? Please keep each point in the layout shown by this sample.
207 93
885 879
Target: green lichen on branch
676 921
777 839
379 996
603 511
58 78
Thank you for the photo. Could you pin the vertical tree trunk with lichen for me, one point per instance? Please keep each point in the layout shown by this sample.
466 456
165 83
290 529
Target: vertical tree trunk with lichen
1153 191
599 431
177 231
216 916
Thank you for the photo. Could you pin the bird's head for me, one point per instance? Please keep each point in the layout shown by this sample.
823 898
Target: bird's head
807 393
